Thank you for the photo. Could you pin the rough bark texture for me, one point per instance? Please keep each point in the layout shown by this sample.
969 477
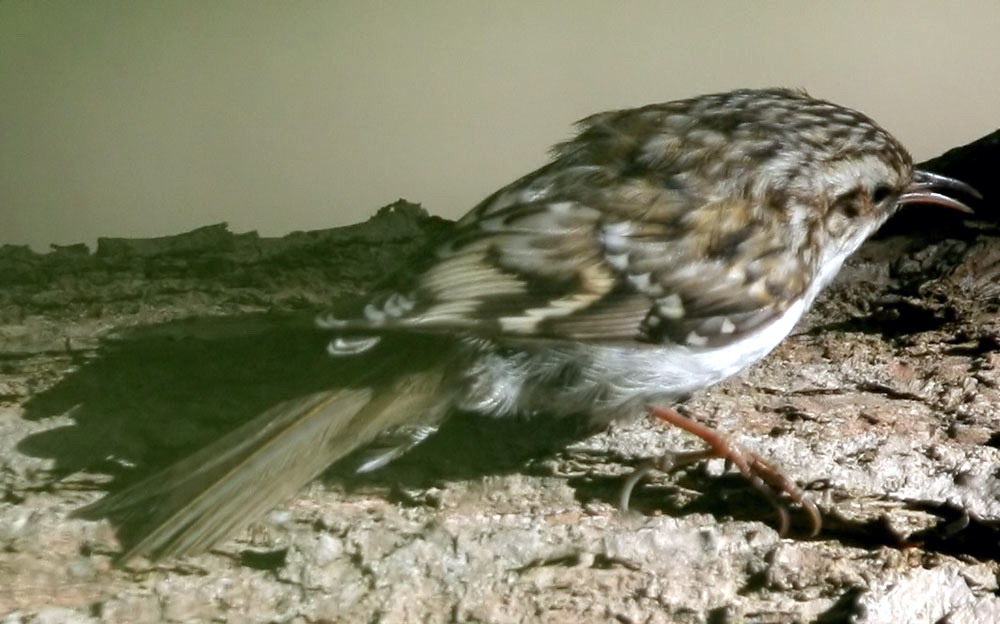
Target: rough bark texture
883 404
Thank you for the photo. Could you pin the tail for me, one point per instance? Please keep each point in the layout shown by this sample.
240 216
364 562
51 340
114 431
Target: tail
208 496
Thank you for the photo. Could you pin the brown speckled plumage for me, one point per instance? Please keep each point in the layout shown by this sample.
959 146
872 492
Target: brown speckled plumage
662 250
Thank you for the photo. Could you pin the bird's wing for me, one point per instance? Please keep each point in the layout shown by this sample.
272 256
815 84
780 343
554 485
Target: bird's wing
562 255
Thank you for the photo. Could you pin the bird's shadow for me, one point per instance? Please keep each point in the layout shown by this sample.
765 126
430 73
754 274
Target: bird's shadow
154 394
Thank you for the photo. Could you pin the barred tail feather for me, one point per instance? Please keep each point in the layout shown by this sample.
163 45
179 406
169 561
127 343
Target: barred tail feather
218 490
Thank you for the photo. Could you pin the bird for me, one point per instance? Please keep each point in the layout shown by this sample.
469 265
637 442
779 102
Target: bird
661 250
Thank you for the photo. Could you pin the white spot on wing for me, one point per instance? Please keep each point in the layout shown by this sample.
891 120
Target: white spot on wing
519 324
618 260
641 282
671 307
373 314
696 340
614 236
329 321
351 346
397 305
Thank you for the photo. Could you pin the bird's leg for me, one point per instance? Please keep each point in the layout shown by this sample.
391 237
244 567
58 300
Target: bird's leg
768 480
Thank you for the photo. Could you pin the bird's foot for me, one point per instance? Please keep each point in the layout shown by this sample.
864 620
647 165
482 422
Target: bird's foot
767 479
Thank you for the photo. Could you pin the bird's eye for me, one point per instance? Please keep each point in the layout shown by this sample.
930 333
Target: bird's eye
881 192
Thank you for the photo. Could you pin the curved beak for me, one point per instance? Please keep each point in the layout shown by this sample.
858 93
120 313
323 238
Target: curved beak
925 190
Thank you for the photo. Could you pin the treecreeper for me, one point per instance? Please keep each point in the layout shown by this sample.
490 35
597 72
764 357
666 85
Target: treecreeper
660 251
